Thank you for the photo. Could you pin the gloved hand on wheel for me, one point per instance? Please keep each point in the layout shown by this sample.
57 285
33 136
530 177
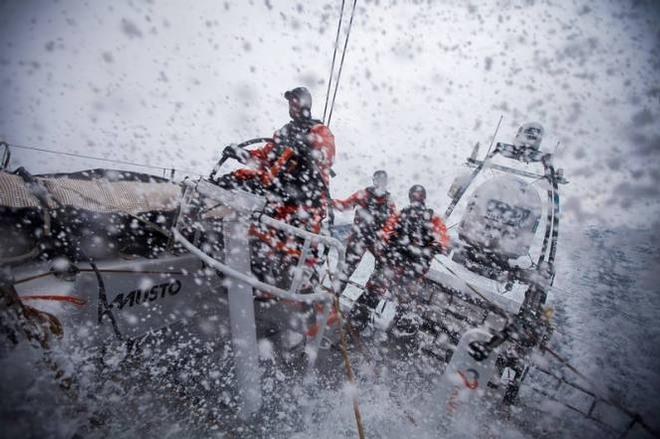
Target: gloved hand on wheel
234 152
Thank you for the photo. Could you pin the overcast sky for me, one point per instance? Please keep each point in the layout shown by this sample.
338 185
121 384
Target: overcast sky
171 82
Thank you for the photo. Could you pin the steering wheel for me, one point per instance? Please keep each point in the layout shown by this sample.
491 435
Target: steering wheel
224 158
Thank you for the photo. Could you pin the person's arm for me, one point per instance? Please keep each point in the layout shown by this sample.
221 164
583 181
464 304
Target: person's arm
354 200
441 238
322 142
391 207
389 227
261 155
268 175
386 233
259 158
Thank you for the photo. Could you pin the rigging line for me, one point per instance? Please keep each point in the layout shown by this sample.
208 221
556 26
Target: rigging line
548 226
103 306
461 192
495 134
349 370
355 336
137 217
550 213
341 62
100 270
334 57
555 219
595 388
102 159
536 180
504 313
55 298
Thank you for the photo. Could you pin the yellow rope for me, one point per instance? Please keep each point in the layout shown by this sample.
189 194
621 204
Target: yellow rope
349 371
367 352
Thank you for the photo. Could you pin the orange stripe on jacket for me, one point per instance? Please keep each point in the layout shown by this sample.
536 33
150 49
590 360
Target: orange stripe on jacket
271 174
323 141
440 232
439 229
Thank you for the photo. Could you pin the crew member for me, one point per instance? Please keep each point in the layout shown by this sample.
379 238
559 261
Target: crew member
293 171
295 166
412 238
374 207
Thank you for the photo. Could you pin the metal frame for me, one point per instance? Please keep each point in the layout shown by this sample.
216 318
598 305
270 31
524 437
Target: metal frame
248 279
240 293
6 155
247 203
551 235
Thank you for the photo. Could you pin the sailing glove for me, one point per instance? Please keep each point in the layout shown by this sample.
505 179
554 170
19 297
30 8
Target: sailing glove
234 152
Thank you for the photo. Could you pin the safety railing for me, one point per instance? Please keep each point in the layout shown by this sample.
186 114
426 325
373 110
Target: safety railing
280 293
245 204
237 266
310 239
5 155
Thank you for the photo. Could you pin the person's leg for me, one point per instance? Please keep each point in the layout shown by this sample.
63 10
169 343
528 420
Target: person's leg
362 309
233 180
354 251
377 287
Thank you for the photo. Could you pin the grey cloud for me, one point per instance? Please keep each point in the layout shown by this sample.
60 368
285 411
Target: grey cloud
630 191
130 29
645 146
643 117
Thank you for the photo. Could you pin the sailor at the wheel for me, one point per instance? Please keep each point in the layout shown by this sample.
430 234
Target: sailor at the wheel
293 171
